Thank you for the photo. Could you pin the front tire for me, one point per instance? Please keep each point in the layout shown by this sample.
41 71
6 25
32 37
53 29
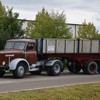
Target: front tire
20 70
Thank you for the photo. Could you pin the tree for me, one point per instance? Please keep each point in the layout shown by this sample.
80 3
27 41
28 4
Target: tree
2 10
2 15
14 26
49 25
87 31
60 27
10 26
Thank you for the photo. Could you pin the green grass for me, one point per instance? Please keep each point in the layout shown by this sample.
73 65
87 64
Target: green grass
78 92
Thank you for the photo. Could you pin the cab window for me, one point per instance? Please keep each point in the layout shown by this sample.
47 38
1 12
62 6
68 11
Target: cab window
30 46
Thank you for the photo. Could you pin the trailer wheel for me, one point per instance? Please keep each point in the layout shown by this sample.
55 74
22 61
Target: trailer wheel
84 70
99 70
74 69
55 70
20 70
2 72
91 68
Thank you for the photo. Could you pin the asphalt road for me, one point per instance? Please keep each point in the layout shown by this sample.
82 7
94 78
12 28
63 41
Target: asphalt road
31 82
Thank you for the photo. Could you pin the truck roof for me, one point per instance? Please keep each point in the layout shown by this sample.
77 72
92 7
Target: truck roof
22 40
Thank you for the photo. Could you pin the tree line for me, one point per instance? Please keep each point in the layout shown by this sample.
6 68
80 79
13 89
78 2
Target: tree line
46 25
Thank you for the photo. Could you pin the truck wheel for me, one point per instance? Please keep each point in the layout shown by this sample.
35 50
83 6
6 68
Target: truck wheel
2 72
73 66
36 72
84 70
74 69
20 70
91 68
99 68
55 70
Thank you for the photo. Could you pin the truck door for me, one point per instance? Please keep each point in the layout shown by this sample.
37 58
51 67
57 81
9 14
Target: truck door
31 54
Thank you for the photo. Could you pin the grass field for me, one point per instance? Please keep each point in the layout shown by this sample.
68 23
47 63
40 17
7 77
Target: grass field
78 92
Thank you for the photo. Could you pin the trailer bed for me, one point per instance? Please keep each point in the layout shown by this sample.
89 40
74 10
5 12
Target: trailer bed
68 46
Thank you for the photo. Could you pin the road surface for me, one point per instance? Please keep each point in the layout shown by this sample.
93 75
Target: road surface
31 82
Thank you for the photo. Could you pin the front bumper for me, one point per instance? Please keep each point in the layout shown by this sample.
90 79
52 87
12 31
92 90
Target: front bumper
4 67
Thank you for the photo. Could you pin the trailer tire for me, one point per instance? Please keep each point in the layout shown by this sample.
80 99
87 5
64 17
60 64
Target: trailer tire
20 71
84 70
73 67
74 70
91 68
99 70
2 72
55 70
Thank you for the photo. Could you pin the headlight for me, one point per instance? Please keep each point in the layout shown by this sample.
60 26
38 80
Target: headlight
3 63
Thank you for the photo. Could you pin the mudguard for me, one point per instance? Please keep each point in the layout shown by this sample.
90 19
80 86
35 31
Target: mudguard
51 62
13 63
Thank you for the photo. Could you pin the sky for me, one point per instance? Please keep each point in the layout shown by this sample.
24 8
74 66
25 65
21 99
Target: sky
76 10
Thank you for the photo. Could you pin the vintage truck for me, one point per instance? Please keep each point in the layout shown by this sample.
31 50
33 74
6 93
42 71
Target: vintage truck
50 55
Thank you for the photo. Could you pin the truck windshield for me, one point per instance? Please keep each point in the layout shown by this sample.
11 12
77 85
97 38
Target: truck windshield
15 45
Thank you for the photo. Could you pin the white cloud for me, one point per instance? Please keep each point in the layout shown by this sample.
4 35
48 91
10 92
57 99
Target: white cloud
29 15
78 16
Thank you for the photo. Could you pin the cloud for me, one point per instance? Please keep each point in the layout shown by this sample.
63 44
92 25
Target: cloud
90 5
28 15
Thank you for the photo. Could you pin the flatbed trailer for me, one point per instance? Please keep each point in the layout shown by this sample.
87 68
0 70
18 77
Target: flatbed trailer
80 53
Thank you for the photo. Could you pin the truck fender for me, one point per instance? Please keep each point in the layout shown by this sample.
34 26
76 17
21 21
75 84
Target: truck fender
51 62
13 63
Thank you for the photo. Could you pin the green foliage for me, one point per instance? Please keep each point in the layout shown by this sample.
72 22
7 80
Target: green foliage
59 25
2 10
2 15
87 31
49 25
29 29
14 26
10 26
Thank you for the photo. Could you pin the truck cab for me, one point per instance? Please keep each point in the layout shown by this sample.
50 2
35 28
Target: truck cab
16 54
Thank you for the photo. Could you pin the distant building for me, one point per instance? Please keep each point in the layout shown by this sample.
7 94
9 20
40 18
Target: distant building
73 27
